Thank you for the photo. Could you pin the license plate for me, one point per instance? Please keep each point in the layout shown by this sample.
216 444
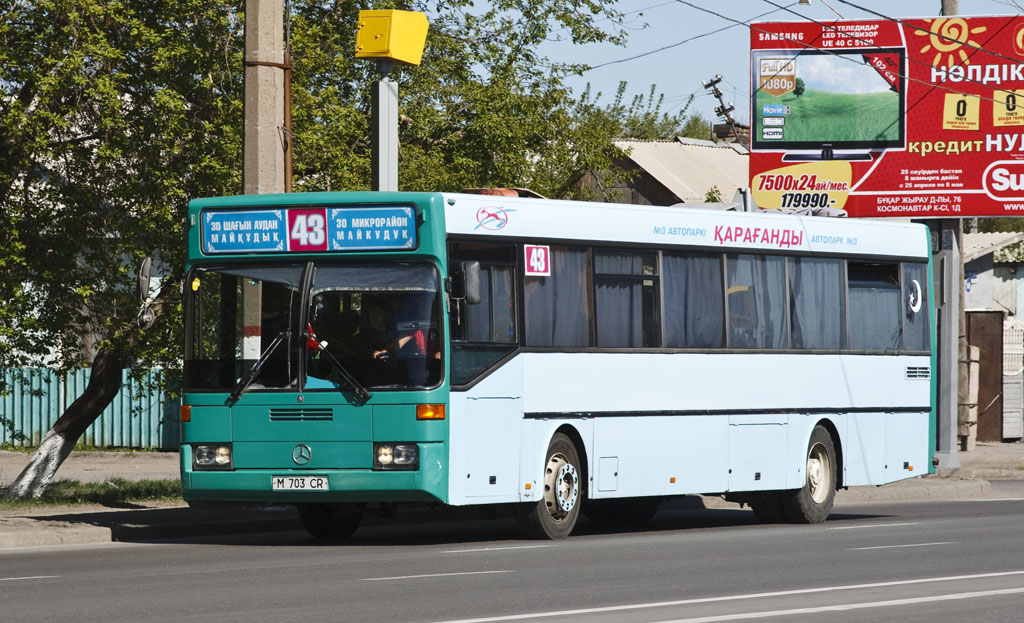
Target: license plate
298 483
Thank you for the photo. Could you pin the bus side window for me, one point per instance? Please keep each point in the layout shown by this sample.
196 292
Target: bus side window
815 285
915 306
493 319
874 293
757 301
625 299
694 309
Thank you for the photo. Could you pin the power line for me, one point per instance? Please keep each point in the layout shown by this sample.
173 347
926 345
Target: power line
684 41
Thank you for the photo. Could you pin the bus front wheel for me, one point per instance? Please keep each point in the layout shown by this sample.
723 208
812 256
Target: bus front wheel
331 521
554 516
813 502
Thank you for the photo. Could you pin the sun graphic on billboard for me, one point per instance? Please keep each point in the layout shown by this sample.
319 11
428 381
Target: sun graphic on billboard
948 36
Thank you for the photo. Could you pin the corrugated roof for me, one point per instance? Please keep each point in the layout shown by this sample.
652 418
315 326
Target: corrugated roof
689 169
977 245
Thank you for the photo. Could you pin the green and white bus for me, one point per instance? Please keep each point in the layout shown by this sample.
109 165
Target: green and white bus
348 352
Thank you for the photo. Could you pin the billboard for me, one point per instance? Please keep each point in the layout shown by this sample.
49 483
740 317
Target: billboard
903 118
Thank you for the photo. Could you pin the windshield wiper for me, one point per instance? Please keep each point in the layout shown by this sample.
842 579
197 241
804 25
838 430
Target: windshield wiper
358 390
254 371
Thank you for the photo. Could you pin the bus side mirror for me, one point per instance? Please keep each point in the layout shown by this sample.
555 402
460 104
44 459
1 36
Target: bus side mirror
471 282
142 286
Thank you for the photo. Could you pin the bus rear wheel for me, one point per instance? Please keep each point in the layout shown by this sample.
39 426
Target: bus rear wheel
813 502
554 516
331 521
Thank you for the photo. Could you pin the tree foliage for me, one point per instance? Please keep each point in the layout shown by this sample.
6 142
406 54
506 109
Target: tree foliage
644 118
112 114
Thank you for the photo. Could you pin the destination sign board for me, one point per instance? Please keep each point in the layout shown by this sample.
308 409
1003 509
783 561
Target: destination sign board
308 229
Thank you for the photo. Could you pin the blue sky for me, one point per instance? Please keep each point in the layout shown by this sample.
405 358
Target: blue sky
679 68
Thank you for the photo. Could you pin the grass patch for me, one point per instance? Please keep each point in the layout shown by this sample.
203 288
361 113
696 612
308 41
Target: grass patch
10 447
113 492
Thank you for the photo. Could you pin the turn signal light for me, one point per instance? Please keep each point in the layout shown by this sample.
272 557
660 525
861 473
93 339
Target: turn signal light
185 413
429 412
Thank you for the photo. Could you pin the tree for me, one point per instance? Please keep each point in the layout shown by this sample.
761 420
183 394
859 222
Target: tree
483 109
114 114
111 116
798 90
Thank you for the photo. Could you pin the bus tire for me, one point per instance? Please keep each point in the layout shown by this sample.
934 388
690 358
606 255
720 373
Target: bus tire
813 502
769 509
331 521
554 516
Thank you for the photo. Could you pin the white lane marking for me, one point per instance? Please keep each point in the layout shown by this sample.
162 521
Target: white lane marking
30 577
840 608
861 549
493 549
434 575
876 525
705 600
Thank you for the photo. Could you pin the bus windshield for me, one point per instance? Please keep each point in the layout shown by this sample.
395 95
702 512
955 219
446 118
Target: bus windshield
251 327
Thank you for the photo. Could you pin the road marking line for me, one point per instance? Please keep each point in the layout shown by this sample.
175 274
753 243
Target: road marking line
876 525
706 600
30 577
493 549
845 607
434 575
861 549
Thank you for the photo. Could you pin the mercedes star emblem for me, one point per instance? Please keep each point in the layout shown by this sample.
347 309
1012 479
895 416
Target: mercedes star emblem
301 454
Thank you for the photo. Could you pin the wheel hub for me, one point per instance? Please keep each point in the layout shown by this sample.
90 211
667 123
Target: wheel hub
561 486
819 471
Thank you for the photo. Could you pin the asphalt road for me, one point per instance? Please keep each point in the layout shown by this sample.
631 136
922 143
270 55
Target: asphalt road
923 561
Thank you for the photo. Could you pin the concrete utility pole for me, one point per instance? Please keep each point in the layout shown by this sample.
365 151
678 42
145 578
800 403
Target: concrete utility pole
947 261
264 139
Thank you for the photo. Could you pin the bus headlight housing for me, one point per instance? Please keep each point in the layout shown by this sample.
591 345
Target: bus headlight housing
212 456
396 456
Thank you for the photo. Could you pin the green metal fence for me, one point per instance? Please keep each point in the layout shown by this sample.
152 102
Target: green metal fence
138 417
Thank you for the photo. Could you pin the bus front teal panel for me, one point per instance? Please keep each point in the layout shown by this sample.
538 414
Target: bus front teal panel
399 423
271 423
208 424
325 454
429 483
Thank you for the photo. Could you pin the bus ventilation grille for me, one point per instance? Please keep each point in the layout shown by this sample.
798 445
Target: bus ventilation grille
301 415
923 372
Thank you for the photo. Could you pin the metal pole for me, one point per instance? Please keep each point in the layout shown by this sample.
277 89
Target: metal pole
384 163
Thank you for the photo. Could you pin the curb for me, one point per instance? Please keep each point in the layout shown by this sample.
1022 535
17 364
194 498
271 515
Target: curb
33 533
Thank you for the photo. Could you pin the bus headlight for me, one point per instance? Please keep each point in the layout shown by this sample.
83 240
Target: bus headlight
396 456
212 456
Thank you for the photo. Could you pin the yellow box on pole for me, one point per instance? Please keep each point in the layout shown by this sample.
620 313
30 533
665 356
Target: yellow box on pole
398 35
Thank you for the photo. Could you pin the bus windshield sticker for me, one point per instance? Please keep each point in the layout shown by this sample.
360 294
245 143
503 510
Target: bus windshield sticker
297 230
538 260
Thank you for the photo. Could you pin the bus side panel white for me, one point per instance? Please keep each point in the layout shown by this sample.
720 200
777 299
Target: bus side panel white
758 447
864 452
906 447
485 424
669 455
